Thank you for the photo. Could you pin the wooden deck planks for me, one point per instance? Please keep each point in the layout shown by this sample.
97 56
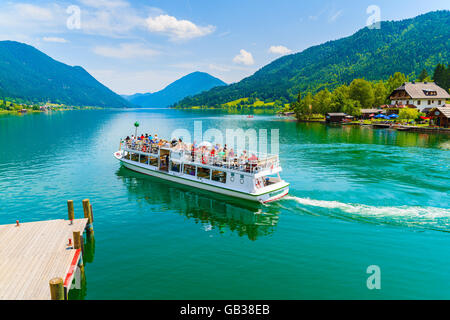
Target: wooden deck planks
32 254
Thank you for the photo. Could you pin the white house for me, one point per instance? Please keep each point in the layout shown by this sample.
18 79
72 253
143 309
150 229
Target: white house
420 94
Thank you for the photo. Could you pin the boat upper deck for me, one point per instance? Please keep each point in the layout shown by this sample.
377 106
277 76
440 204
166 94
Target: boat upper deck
206 156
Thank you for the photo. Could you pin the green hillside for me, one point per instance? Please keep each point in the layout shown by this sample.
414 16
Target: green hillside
406 46
29 75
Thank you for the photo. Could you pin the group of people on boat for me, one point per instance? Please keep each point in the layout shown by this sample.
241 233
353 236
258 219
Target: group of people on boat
204 152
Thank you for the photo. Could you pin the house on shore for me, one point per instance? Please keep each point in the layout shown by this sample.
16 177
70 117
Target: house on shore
440 116
419 94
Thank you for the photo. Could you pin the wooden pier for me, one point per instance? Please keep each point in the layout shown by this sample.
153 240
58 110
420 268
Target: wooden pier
43 260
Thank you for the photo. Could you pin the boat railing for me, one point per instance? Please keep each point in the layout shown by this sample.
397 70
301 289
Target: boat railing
254 164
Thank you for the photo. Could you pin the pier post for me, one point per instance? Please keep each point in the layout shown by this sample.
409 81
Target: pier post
70 210
76 240
92 213
88 215
57 289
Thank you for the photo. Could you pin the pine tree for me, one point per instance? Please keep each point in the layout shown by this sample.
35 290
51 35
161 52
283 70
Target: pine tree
423 75
439 75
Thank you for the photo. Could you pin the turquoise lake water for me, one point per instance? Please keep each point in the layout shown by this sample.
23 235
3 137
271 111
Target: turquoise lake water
358 197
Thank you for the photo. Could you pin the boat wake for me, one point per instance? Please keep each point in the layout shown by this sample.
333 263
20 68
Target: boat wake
412 216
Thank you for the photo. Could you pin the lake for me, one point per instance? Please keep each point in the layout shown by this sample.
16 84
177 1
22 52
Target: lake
359 197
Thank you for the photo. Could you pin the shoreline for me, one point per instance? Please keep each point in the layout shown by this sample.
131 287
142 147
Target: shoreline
18 112
376 126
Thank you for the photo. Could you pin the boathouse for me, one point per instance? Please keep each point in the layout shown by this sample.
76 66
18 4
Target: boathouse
419 94
440 116
335 117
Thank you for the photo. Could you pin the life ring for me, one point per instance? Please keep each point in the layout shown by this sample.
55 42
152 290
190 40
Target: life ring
144 149
258 184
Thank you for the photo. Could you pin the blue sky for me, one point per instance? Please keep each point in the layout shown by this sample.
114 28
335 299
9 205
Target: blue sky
143 45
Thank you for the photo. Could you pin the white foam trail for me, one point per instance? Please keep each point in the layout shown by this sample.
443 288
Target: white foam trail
361 209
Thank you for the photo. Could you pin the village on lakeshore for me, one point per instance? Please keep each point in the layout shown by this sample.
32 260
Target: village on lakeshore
397 103
13 106
413 103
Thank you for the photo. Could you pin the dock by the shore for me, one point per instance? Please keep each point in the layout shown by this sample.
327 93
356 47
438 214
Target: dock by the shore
43 260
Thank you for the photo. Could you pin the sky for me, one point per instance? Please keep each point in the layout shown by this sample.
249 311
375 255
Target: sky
137 46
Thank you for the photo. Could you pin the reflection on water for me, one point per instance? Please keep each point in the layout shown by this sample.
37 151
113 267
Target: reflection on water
317 133
211 210
88 258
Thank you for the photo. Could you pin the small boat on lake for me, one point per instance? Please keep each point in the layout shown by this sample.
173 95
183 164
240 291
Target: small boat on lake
255 178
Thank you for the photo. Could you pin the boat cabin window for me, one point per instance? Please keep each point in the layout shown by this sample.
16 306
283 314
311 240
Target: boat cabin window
219 176
174 166
190 170
154 161
203 173
143 159
128 156
134 157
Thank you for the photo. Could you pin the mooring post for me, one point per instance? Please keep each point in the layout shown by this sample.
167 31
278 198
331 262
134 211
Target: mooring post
57 289
70 210
88 215
76 240
92 213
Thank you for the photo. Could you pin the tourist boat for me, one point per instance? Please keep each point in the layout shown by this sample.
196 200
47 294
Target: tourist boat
255 179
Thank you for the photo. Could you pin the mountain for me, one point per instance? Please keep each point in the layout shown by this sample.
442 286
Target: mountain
407 46
31 75
188 85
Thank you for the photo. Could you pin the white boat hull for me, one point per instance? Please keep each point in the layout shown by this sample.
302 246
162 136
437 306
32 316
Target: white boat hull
265 196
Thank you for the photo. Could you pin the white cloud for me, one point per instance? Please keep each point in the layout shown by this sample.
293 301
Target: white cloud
279 50
218 68
29 11
177 29
335 16
105 3
54 39
125 51
112 19
244 57
27 18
